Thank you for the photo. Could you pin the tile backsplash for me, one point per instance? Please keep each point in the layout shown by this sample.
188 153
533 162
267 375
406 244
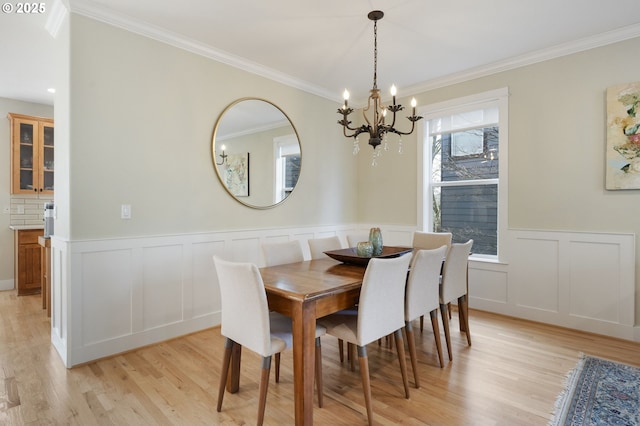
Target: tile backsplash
28 210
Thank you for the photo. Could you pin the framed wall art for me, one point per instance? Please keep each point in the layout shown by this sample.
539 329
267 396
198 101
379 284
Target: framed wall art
236 174
623 137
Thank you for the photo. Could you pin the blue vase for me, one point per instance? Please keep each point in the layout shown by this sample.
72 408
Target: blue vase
375 236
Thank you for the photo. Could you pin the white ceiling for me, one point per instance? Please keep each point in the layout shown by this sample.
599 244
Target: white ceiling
325 46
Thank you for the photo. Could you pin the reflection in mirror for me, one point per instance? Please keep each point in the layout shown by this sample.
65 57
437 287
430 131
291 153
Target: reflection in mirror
256 153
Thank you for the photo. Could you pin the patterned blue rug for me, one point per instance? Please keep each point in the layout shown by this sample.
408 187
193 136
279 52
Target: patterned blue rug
599 392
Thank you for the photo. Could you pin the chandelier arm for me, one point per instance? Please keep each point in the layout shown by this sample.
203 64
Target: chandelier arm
413 120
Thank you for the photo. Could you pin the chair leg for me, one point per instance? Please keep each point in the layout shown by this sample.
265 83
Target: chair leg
278 367
463 312
403 361
366 382
445 324
319 372
350 356
341 349
449 309
264 385
412 352
436 333
224 373
421 323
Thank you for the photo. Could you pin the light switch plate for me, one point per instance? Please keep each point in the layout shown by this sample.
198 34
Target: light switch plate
125 211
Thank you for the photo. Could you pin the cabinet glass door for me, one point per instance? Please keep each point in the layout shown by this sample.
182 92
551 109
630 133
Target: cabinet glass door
47 157
27 137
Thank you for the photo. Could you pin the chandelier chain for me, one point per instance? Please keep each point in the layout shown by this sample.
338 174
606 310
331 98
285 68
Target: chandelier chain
375 54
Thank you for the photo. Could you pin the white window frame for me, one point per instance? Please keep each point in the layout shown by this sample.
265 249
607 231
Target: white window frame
499 98
282 146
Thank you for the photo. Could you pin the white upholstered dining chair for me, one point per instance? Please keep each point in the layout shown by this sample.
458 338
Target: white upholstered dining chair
317 246
246 321
455 286
282 253
380 313
422 296
430 241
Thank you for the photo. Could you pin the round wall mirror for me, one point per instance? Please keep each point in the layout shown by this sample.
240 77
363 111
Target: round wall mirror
256 153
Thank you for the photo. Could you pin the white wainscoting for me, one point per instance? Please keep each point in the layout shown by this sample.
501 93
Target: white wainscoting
111 296
579 280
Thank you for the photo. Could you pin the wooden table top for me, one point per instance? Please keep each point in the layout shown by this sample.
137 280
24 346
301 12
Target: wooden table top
312 279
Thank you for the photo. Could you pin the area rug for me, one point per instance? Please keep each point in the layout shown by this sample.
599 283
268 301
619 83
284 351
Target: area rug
599 392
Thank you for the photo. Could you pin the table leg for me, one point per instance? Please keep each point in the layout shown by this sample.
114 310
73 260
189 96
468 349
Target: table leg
304 330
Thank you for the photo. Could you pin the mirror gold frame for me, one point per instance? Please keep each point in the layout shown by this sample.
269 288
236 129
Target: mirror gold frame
256 153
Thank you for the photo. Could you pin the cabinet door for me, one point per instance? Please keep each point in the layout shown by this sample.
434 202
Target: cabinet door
25 137
29 272
28 261
45 160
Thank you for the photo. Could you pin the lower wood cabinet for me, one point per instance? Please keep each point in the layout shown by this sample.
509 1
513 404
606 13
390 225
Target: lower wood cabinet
27 261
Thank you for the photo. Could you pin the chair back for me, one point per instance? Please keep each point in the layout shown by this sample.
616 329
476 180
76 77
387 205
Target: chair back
317 246
455 272
381 304
354 239
431 240
281 253
245 312
423 285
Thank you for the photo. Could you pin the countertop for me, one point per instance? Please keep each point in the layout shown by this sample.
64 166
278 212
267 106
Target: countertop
25 227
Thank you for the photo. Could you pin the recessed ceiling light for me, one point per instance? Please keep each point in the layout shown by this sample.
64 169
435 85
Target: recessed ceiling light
51 90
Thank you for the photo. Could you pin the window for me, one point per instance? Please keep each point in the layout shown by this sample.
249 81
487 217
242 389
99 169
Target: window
287 170
463 184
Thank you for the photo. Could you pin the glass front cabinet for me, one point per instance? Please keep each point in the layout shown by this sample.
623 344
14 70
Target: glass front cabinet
32 154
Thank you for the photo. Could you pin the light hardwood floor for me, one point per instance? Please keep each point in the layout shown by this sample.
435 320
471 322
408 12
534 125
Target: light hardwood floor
510 376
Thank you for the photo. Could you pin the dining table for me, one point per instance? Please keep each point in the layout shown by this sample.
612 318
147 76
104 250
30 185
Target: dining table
305 291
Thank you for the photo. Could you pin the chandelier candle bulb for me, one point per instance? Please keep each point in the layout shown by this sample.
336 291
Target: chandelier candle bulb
346 98
393 93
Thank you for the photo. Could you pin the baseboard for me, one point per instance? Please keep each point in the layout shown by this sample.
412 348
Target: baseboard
6 285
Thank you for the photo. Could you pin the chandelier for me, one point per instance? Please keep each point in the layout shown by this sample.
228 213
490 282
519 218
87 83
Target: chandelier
375 113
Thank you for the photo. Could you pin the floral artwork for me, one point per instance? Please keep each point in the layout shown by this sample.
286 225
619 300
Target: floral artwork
623 137
236 174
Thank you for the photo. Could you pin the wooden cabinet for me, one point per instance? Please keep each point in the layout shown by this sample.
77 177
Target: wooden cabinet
27 261
45 269
32 150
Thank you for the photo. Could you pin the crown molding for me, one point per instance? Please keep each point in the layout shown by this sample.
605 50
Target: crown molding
160 34
56 17
575 46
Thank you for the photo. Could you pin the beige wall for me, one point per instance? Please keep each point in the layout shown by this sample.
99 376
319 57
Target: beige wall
142 116
6 235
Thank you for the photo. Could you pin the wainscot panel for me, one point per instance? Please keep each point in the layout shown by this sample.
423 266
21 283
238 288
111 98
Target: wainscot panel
579 280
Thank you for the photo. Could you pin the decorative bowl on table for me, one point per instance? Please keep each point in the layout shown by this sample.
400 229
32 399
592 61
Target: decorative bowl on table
349 255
